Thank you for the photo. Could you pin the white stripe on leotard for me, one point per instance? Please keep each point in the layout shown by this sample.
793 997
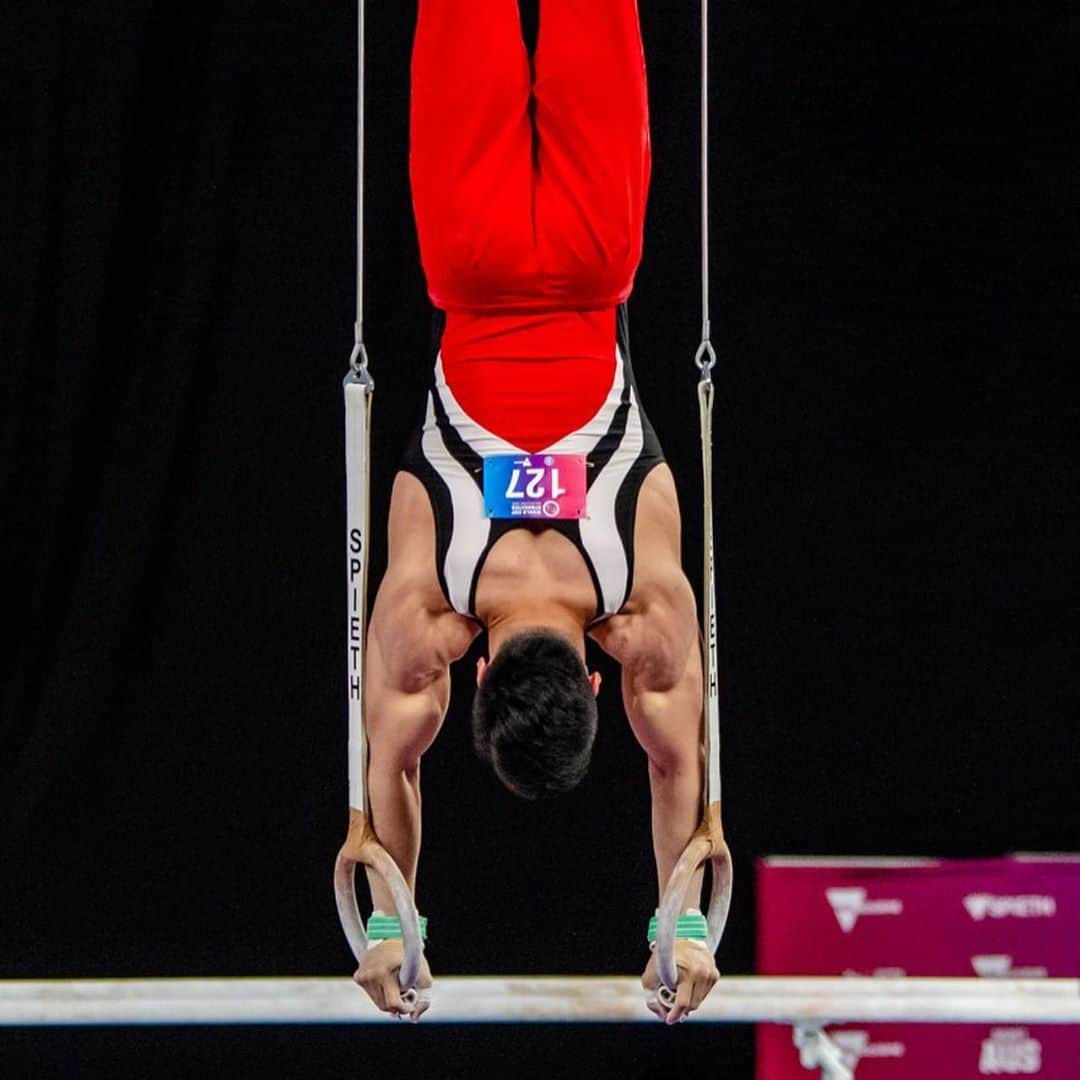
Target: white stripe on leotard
599 531
470 530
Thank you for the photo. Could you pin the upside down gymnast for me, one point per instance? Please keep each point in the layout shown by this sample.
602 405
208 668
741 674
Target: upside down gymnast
529 185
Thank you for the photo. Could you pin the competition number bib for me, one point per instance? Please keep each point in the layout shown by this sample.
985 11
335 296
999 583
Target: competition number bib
544 486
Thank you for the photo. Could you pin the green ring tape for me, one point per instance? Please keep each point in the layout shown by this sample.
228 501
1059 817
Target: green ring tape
381 927
694 927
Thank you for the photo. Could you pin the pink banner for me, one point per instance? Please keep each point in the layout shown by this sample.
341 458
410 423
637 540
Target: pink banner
1012 917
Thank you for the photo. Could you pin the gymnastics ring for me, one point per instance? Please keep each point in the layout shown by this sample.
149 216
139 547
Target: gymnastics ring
362 847
706 844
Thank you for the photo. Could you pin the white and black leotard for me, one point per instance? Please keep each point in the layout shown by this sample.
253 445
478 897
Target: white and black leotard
446 454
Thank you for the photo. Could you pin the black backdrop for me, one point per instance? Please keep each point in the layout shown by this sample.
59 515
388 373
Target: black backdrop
896 545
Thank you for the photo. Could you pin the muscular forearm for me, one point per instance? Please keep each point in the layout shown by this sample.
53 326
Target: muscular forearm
394 795
402 722
676 814
667 723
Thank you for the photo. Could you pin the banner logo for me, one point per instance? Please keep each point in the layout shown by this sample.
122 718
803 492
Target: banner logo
1000 966
856 1045
986 906
849 904
1010 1052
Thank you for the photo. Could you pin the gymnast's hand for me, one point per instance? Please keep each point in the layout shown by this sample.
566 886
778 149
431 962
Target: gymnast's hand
697 976
378 976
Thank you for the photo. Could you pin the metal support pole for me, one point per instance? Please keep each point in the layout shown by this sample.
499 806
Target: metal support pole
818 1051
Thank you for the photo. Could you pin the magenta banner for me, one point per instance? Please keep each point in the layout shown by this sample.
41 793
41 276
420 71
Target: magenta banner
1011 917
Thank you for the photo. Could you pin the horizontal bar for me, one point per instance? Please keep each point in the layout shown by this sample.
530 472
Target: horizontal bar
538 999
851 862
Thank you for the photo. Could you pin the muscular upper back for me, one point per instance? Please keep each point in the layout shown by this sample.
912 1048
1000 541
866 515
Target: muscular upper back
540 564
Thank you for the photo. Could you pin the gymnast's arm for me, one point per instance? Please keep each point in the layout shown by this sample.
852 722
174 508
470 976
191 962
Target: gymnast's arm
656 640
662 693
413 638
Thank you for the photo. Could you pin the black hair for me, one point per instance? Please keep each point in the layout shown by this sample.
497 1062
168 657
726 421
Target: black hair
534 715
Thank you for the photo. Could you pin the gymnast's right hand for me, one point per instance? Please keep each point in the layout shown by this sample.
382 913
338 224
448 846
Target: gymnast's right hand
698 974
378 976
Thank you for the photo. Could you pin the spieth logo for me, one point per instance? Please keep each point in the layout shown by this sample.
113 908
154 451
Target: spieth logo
1010 1052
1000 966
849 904
856 1045
983 905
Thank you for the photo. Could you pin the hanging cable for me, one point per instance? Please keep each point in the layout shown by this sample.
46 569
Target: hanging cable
705 357
358 361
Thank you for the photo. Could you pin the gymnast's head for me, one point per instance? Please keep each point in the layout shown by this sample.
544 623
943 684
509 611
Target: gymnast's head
534 714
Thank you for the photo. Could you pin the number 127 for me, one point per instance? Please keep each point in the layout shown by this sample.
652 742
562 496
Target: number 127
534 488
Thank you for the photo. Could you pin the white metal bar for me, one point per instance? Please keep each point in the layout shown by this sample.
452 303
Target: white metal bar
538 999
851 862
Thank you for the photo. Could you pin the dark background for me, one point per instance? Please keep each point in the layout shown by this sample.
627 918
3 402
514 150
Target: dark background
894 302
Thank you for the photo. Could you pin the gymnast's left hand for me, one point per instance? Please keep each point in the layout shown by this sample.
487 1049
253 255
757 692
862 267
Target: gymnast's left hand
698 974
378 975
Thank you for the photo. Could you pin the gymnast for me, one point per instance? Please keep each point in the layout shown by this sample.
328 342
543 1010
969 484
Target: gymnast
529 184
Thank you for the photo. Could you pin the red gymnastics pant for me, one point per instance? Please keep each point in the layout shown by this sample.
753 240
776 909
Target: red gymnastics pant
529 192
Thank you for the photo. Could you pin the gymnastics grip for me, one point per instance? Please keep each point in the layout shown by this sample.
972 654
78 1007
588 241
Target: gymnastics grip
706 844
363 847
